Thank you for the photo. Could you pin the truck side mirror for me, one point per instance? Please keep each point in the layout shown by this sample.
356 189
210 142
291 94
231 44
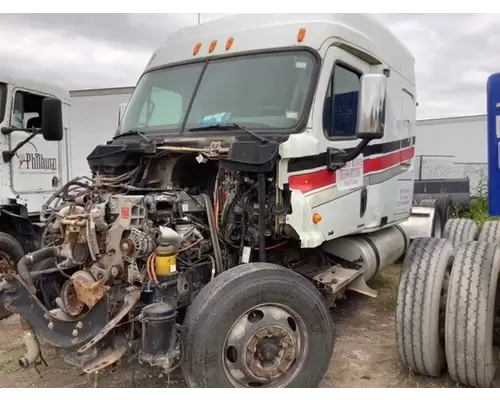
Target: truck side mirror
371 110
52 120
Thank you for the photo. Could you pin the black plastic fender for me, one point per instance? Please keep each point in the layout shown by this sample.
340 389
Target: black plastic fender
17 297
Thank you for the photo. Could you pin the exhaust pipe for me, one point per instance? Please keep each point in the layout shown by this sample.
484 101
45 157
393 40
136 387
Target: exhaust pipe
32 345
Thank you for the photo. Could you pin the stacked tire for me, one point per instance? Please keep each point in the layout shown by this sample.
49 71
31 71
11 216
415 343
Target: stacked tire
443 205
447 303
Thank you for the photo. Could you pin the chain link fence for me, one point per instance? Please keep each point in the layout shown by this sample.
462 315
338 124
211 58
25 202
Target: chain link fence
444 167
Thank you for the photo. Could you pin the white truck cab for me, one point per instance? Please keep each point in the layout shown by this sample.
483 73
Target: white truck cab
288 140
32 168
298 77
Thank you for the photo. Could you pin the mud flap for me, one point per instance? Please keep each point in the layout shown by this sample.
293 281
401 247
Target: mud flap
359 286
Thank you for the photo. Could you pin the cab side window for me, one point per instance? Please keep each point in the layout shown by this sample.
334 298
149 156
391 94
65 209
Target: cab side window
27 111
340 110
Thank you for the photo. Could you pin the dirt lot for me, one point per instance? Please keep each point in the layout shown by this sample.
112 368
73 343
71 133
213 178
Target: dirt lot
364 356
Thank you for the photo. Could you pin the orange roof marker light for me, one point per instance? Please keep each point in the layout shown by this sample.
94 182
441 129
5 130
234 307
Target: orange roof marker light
213 43
301 35
196 49
316 218
229 43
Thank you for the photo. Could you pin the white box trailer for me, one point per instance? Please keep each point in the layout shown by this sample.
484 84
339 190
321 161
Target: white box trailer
461 137
451 157
93 121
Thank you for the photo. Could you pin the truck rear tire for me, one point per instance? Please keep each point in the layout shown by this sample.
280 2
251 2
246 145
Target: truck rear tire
419 320
253 321
11 252
460 230
470 314
490 232
443 204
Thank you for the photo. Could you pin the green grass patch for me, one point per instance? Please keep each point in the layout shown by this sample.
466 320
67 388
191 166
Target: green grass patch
478 210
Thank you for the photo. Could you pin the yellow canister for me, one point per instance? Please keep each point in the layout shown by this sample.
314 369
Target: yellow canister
166 261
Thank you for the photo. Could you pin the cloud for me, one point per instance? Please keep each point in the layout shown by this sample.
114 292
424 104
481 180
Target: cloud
455 53
83 50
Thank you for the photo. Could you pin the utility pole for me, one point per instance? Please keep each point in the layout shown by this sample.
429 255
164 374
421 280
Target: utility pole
199 18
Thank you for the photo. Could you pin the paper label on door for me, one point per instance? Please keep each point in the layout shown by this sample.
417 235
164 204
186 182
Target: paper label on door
404 198
351 176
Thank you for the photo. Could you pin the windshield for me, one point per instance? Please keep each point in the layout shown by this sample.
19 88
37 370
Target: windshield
3 100
265 91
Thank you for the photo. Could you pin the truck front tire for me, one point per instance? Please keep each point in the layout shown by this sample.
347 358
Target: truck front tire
257 325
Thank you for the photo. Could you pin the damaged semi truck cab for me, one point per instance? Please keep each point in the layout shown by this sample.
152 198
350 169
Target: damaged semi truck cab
261 169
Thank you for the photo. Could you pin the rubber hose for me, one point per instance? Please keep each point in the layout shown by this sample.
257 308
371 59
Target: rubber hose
33 258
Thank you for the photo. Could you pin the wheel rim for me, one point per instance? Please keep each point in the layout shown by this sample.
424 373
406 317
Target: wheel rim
6 263
265 347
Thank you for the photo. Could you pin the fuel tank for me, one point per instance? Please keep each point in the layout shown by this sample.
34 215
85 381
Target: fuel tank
373 251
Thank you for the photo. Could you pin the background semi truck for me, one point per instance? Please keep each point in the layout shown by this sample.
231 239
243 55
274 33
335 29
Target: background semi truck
32 169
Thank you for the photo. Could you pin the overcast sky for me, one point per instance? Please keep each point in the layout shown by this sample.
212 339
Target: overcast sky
454 53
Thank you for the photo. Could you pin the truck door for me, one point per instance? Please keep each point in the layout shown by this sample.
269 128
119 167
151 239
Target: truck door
406 129
407 126
36 167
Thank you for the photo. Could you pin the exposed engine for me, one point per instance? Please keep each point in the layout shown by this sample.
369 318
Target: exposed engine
150 245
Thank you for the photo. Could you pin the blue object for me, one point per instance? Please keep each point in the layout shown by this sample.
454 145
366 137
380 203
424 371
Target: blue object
345 107
221 118
493 110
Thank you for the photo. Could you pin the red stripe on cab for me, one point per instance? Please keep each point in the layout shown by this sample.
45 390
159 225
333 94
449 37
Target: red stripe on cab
315 180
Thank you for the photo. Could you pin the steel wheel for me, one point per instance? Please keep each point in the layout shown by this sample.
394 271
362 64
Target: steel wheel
265 347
